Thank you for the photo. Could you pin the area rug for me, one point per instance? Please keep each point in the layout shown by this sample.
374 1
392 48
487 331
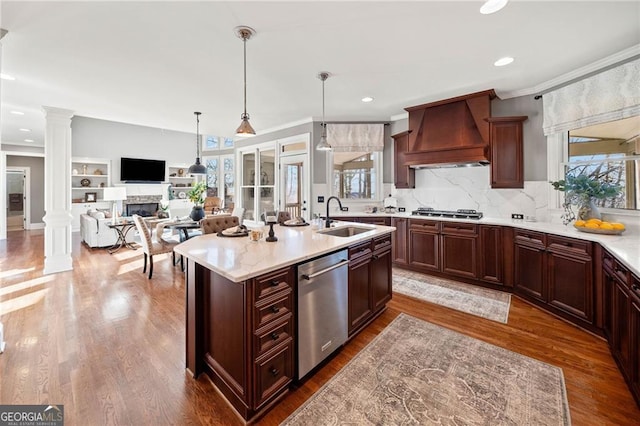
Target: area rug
482 302
415 372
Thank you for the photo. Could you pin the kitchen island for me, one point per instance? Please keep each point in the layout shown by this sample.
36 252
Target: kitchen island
242 319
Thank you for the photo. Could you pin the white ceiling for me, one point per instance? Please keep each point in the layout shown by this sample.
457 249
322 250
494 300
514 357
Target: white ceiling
154 63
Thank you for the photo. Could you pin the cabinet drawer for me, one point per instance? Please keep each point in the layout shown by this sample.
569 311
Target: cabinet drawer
270 337
384 221
459 228
381 243
360 250
272 309
531 238
424 225
273 282
273 374
617 269
569 246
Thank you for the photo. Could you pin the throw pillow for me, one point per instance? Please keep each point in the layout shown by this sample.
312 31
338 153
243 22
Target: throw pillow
106 212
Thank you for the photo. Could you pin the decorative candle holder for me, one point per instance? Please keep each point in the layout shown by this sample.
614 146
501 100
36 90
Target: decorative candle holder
271 218
272 237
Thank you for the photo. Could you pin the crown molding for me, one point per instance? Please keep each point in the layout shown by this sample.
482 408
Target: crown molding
596 67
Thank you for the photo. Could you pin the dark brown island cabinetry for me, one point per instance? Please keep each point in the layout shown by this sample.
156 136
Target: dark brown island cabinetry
556 272
506 147
369 281
621 319
404 176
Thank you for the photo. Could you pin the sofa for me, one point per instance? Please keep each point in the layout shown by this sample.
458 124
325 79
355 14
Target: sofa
96 233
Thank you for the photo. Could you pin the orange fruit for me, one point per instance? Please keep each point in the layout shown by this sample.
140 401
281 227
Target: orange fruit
579 223
592 225
606 225
596 221
617 225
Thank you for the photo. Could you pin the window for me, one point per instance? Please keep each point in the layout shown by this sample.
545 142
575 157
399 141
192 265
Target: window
357 175
220 178
606 153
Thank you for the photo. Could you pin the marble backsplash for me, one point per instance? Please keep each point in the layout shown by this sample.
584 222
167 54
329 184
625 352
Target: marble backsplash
469 188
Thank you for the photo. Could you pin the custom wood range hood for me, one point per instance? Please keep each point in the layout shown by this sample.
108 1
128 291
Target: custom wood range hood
449 133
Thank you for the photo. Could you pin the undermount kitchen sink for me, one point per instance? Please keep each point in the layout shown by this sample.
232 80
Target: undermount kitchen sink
345 231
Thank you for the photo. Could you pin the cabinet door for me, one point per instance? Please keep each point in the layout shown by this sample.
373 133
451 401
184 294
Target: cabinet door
381 279
570 285
404 176
459 255
635 344
360 306
490 255
608 287
621 328
400 241
506 152
424 250
530 271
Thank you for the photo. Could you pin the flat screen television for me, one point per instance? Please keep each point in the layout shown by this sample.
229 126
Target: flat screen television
141 170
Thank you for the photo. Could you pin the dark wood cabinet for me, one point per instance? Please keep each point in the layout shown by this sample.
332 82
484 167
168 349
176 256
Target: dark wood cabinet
635 339
557 272
399 250
490 255
404 176
506 147
458 242
424 244
370 285
372 220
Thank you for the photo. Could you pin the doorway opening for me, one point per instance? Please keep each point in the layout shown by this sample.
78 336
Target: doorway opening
17 198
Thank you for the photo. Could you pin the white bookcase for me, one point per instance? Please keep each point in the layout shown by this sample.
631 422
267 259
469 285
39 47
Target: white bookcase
181 182
89 177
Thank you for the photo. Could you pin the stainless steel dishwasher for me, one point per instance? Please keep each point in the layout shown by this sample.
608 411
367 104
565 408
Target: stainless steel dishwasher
322 309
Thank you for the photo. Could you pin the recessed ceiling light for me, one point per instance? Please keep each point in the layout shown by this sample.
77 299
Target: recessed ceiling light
28 140
492 6
503 61
367 99
17 112
7 77
25 130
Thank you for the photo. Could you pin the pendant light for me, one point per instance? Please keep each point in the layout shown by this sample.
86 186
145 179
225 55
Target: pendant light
323 145
197 168
245 129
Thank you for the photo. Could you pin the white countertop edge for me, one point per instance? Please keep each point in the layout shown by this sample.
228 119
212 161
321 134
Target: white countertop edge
196 249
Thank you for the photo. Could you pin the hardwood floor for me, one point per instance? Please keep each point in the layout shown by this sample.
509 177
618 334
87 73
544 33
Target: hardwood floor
109 344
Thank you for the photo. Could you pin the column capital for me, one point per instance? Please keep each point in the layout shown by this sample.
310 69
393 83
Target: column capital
53 112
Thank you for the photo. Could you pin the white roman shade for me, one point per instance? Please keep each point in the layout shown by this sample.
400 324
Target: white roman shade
610 95
356 137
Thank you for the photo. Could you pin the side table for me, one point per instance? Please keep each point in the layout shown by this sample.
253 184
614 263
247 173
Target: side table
122 228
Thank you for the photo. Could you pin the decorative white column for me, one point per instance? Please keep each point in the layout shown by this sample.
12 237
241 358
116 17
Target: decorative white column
57 190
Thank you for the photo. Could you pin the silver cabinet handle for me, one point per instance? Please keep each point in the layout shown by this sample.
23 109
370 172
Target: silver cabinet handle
324 271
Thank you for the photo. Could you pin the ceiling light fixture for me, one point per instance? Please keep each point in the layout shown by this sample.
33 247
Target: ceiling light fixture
492 6
7 77
28 140
245 129
367 99
197 168
503 61
25 130
323 145
17 112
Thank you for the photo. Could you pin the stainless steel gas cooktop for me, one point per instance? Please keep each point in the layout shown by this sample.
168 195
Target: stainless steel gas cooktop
460 213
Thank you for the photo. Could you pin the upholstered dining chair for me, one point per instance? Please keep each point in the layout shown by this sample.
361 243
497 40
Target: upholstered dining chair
212 204
215 224
151 247
283 217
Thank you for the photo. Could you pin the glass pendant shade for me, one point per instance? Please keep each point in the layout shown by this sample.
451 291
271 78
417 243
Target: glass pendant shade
197 168
322 144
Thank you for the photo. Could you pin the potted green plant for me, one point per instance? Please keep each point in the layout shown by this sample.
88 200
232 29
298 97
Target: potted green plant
163 210
196 196
581 190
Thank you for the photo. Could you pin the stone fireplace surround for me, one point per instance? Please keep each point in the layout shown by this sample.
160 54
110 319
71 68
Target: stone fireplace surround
143 205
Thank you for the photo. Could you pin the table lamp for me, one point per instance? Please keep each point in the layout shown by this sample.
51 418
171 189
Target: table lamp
115 194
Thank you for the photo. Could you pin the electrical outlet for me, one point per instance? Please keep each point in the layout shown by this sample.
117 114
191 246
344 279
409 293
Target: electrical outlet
345 209
517 216
320 199
402 209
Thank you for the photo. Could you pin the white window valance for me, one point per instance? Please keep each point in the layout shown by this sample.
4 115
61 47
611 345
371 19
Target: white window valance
611 95
356 137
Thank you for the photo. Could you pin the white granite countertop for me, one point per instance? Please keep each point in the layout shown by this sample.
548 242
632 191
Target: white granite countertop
238 258
625 247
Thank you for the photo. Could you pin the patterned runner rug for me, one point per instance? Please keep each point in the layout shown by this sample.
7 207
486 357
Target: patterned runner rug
479 301
415 372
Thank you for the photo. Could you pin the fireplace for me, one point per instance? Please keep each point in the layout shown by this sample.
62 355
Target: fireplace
141 209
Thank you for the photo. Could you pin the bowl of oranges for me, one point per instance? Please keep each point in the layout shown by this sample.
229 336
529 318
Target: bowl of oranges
597 226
